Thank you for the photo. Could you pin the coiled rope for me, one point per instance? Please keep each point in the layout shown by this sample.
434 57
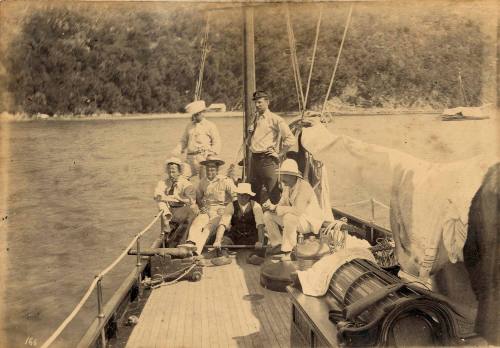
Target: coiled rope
92 286
186 271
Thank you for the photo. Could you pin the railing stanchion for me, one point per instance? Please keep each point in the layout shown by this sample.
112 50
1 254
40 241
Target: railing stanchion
100 313
138 264
372 221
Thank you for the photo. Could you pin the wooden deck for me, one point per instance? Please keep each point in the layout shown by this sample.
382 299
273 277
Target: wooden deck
227 308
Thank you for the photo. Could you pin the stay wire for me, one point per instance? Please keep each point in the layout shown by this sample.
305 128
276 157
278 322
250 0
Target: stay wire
337 61
313 56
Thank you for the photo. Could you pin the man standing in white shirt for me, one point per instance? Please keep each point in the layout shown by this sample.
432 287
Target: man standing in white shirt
269 141
200 138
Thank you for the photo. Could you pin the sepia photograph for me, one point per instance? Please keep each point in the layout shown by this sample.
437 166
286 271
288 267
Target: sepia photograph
249 173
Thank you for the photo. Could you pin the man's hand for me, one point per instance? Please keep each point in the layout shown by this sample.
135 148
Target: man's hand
217 244
195 209
172 198
272 153
259 245
267 205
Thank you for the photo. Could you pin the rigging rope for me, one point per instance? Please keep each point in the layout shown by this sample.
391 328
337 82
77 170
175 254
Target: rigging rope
295 64
337 61
313 56
204 51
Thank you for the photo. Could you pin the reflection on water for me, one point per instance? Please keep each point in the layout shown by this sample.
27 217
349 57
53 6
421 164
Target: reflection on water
79 191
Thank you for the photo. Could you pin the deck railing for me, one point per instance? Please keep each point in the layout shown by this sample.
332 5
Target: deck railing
373 202
96 284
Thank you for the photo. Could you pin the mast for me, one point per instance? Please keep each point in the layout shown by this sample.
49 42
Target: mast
248 81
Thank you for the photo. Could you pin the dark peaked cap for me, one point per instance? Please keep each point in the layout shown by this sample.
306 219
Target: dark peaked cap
260 94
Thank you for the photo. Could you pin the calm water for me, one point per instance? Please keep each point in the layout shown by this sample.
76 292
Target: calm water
79 191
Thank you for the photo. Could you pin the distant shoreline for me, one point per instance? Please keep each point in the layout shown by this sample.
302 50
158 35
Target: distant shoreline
229 114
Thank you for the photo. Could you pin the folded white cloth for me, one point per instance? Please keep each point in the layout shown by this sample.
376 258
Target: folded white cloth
316 279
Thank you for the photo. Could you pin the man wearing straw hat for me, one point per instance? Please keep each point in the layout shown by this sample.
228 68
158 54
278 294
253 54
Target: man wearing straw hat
298 210
242 222
270 139
200 138
176 196
214 193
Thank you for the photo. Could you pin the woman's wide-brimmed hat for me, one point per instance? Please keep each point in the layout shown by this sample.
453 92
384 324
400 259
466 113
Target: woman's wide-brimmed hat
212 159
244 188
289 167
196 107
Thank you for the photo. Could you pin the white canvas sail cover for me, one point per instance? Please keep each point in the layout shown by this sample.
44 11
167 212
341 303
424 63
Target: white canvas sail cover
429 202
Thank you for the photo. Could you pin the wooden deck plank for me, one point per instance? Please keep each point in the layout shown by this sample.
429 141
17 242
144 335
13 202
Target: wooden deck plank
195 339
221 309
157 318
169 310
253 326
268 312
267 334
240 335
215 312
226 311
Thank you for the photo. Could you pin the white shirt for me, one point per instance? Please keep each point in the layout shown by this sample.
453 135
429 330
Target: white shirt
201 136
270 130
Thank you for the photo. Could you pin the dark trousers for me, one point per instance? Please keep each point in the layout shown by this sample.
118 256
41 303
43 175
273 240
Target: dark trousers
182 218
263 174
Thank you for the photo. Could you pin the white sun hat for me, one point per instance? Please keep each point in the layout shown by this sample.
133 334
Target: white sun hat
244 188
196 107
289 167
173 160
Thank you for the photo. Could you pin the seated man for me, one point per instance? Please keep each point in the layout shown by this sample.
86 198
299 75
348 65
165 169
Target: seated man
242 222
176 196
297 211
213 195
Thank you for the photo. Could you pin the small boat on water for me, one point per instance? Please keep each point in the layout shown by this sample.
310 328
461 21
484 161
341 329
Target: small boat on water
195 305
463 114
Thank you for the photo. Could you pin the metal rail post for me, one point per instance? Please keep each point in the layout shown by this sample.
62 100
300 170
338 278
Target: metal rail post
100 313
372 203
138 264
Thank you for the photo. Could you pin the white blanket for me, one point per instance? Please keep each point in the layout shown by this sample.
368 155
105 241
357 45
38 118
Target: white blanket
316 279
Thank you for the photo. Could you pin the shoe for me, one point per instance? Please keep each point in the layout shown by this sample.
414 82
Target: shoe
273 250
220 261
286 257
188 245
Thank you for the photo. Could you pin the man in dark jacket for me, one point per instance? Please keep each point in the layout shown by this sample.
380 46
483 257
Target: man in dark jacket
242 221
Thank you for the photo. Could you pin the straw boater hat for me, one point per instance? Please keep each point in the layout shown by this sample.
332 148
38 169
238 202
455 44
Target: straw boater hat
196 107
244 188
289 167
212 159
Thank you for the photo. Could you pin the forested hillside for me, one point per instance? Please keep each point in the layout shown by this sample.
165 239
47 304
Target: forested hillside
69 61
